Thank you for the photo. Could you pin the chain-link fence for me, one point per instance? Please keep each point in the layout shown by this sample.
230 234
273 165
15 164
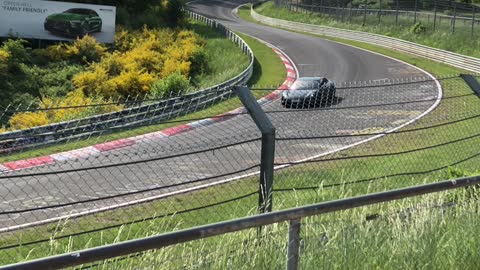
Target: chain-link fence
436 15
202 168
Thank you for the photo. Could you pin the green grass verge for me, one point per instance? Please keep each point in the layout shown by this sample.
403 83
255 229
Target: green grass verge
220 52
312 174
461 41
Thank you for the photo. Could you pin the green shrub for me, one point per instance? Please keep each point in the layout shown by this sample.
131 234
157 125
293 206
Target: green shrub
4 61
83 51
18 53
418 28
199 62
174 84
175 14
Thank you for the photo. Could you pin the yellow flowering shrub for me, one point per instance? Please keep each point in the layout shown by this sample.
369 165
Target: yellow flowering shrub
133 83
141 58
28 120
78 102
164 58
173 65
75 106
4 56
82 50
94 81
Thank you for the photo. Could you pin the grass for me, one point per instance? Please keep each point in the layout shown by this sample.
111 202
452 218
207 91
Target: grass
422 234
407 234
461 41
220 51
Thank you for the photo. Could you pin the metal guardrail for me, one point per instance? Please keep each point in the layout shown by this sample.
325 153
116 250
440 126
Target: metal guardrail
383 12
135 116
292 215
468 63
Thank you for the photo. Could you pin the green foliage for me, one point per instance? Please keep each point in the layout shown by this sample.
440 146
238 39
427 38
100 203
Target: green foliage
418 28
56 79
460 42
18 82
175 59
143 57
199 61
4 61
18 53
174 12
75 99
174 84
82 51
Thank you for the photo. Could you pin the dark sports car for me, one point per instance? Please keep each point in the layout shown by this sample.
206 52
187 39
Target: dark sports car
74 22
309 91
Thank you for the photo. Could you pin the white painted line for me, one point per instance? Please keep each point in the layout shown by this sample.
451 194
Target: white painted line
201 123
3 169
74 154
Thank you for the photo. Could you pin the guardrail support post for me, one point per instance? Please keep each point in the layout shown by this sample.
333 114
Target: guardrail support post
293 244
268 146
454 17
472 82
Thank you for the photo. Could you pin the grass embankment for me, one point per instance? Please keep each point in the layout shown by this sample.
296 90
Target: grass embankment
340 248
220 53
460 42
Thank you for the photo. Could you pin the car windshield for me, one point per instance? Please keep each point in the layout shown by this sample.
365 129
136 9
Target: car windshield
78 11
305 85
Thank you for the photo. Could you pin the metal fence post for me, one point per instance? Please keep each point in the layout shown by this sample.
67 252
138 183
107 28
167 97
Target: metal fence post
472 82
380 13
435 15
454 17
398 10
473 20
268 147
365 13
293 244
415 12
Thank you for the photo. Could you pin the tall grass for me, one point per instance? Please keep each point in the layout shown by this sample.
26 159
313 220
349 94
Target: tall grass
225 60
460 42
428 233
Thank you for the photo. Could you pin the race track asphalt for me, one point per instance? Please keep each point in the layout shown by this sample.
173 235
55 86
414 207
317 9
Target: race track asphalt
215 153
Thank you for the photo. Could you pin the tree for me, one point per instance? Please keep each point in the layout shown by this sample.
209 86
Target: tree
175 13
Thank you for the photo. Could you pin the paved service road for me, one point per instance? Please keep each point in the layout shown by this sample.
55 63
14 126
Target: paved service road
170 166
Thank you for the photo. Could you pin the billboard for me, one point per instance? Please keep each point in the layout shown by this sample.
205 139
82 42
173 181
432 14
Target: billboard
56 20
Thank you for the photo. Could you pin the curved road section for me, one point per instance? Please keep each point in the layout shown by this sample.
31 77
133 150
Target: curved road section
230 149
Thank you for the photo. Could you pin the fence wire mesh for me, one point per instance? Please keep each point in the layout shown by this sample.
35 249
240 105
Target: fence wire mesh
203 168
430 224
432 15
